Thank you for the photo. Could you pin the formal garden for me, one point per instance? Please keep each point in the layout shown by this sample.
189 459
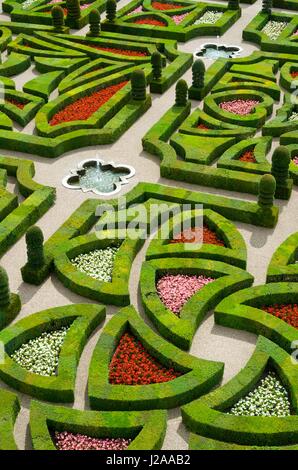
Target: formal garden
148 225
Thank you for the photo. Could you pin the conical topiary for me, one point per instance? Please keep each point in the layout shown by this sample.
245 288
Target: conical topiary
4 289
138 85
267 189
198 74
111 10
267 6
94 21
233 5
73 9
181 93
35 251
57 19
156 62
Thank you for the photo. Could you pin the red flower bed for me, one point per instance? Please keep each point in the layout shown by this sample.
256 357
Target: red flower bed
194 235
150 21
287 313
133 365
203 127
69 441
83 108
294 74
248 156
16 103
165 6
114 50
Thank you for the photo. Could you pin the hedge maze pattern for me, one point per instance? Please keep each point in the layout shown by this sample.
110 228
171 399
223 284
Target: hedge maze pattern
223 143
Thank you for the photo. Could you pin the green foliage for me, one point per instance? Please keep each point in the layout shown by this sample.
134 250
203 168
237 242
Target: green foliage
4 288
198 74
94 21
138 85
73 9
266 191
58 18
111 10
181 93
267 6
34 241
156 62
233 5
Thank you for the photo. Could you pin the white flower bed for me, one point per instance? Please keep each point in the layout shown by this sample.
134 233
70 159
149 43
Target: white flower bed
41 355
294 116
270 398
97 264
209 17
273 29
27 4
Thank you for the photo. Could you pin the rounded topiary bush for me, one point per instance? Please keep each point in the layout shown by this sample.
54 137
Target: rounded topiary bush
138 85
181 93
198 74
94 22
111 10
156 62
35 251
4 288
281 160
267 6
267 190
73 9
58 18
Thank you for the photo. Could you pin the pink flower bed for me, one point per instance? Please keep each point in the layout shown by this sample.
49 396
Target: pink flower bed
179 18
241 107
295 160
136 10
175 290
69 441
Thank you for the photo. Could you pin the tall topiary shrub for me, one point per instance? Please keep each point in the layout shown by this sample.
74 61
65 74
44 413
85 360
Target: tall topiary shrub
266 191
267 6
94 22
281 160
138 85
111 10
4 289
156 62
181 93
198 74
233 5
73 9
57 19
35 251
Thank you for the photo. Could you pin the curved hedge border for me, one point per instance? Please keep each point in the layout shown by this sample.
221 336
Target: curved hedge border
183 32
198 377
44 85
281 124
15 64
181 330
25 115
115 292
83 318
208 416
146 429
204 443
243 310
10 407
260 146
283 265
234 252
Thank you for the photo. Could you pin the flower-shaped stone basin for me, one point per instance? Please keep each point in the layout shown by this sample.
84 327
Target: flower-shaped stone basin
214 51
100 177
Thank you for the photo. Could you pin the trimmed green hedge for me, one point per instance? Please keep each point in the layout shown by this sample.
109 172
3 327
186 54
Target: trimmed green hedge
234 252
82 319
205 443
15 64
243 310
10 407
181 330
146 429
198 377
44 85
209 416
115 292
21 116
283 265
